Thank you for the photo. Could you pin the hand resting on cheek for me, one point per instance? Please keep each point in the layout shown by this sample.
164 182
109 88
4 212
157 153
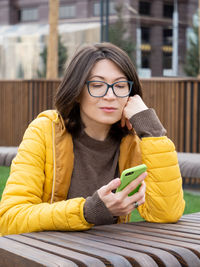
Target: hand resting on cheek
133 106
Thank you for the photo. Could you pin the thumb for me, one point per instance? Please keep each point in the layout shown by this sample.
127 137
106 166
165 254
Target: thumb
112 185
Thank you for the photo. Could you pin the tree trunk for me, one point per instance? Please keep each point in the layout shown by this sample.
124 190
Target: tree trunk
52 50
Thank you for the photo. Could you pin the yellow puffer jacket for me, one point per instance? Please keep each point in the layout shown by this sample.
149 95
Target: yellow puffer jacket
34 198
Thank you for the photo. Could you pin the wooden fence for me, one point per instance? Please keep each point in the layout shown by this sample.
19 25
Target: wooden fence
176 101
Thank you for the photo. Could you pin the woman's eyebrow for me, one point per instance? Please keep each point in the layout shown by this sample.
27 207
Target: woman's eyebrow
96 76
103 78
122 77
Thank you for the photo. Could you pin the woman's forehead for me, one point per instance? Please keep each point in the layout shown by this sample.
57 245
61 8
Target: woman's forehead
106 67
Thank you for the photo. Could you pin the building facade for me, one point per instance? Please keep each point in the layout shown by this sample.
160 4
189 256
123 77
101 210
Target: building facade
158 27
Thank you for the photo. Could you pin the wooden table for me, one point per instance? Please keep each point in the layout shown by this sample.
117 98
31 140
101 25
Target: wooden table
121 245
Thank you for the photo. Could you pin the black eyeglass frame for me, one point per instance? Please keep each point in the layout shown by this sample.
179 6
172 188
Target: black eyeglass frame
110 86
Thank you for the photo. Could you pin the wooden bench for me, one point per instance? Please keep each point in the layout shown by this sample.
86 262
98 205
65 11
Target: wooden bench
121 245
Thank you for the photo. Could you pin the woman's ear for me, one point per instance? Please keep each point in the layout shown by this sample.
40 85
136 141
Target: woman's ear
78 100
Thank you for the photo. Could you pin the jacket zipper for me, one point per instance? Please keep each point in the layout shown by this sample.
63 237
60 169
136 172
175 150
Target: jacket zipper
54 164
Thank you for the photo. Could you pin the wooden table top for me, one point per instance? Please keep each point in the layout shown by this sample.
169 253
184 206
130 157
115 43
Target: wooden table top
121 245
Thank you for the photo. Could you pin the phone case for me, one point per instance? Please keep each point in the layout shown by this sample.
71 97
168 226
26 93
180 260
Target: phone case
129 175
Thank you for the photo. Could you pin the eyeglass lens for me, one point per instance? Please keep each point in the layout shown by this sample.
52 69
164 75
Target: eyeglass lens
98 88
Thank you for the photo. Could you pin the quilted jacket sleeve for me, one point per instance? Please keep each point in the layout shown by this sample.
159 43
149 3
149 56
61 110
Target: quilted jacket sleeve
22 208
164 195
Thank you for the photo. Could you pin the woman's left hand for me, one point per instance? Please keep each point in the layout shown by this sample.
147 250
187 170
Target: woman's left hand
133 106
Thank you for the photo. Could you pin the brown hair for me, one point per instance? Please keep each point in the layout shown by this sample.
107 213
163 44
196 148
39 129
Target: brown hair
77 73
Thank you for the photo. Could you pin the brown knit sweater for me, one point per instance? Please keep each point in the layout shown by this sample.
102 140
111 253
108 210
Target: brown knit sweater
96 164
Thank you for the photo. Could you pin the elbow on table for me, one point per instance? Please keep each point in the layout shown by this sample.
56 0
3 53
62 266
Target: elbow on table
167 215
167 218
172 215
172 218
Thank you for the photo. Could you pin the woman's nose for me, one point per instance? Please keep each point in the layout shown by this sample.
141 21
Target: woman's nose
110 93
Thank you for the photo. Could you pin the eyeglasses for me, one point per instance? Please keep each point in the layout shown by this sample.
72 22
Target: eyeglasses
100 88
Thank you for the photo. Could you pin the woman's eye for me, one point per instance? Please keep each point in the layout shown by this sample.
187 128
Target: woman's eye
120 86
97 85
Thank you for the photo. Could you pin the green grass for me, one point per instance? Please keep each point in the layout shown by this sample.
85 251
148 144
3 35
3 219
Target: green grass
192 199
4 173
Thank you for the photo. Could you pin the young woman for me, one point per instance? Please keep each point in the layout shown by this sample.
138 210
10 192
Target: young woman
66 171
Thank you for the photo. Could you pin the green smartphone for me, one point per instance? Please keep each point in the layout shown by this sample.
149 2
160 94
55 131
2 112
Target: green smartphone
129 175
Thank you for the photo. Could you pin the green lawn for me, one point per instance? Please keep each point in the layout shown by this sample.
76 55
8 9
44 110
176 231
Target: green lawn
192 200
4 173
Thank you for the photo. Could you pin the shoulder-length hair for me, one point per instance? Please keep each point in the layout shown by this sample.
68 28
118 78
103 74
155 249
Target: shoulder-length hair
76 75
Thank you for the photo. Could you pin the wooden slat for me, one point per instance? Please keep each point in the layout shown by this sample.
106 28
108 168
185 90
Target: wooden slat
13 253
78 258
107 241
184 255
194 115
75 244
181 107
135 258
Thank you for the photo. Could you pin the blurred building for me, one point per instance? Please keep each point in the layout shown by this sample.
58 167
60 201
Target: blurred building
158 31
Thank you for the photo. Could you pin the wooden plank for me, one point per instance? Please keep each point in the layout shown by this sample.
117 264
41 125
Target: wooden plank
176 115
16 254
189 222
188 110
184 255
195 216
180 125
182 236
70 242
78 258
170 227
134 257
162 258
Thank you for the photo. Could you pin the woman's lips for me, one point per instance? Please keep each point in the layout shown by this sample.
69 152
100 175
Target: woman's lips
108 109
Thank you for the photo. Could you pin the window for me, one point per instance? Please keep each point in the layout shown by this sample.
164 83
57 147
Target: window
145 8
167 60
168 10
145 35
97 8
67 11
167 36
28 14
145 62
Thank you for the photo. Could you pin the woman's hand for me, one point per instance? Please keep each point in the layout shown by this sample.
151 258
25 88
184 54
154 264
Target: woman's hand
120 203
134 105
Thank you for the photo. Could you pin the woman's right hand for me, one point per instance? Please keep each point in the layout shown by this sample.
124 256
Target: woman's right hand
120 203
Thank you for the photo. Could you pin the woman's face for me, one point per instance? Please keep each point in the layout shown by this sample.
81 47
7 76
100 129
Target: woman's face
108 109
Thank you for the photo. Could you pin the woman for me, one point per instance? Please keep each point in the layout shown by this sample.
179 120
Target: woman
64 175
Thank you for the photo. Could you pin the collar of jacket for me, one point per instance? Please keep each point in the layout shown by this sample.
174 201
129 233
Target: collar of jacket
130 155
